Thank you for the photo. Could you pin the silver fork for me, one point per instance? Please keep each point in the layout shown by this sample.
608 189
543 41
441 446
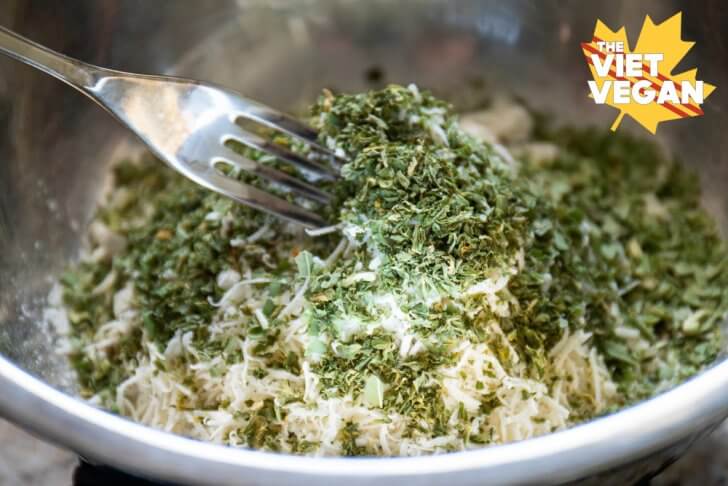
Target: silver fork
188 124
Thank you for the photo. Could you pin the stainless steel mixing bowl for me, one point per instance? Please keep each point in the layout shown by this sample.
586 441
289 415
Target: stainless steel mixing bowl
55 148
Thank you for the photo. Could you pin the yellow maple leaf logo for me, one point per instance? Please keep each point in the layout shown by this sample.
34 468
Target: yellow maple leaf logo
670 93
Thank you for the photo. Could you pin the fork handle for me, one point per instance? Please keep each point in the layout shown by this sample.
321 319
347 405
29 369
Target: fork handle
78 74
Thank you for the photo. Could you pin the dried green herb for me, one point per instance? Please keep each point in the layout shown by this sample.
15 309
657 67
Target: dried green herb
607 238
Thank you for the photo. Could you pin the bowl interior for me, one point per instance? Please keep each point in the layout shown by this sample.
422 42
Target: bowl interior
56 147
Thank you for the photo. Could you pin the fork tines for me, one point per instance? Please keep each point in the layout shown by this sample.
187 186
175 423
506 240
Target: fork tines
324 168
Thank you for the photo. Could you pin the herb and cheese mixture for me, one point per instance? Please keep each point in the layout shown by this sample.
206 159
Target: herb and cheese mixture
484 280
